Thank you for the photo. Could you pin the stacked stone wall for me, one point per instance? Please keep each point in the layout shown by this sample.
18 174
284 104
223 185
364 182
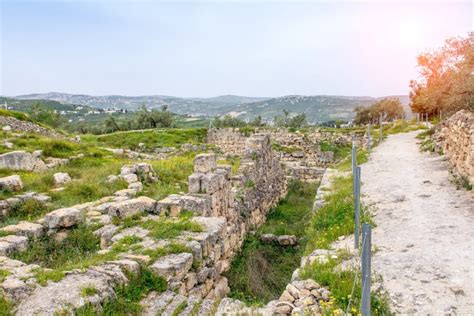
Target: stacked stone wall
455 138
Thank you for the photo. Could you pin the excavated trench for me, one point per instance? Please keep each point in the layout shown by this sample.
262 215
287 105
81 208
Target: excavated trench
264 266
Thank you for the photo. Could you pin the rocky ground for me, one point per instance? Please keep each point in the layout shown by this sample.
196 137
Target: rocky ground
424 229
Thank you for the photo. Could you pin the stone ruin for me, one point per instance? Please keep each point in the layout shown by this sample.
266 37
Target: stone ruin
227 206
300 152
455 138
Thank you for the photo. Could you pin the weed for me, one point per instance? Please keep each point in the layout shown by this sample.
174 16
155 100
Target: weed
181 307
3 274
168 228
88 291
44 275
249 184
127 296
340 283
335 218
6 307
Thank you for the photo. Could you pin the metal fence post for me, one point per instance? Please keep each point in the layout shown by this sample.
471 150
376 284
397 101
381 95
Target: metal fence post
381 131
366 247
354 165
357 208
368 138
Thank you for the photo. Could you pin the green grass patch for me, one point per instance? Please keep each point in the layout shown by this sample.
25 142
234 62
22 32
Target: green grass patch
345 164
3 275
335 218
233 161
340 151
172 176
6 307
285 149
88 291
151 138
18 115
127 296
80 243
170 228
340 283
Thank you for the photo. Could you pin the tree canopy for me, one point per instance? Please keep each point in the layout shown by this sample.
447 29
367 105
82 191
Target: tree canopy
446 83
386 109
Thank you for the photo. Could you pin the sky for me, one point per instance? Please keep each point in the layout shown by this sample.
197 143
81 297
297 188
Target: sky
203 49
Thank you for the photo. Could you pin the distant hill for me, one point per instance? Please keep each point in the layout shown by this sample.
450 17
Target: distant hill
318 108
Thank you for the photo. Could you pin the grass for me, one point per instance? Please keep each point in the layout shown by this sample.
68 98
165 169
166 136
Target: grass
181 307
233 161
18 115
169 228
151 138
88 291
80 243
345 164
335 218
172 176
340 151
3 275
285 149
127 296
6 307
261 271
340 283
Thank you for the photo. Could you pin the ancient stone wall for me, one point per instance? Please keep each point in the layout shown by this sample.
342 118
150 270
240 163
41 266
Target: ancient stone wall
455 138
11 123
300 152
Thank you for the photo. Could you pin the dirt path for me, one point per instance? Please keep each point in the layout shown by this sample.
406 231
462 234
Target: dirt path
425 230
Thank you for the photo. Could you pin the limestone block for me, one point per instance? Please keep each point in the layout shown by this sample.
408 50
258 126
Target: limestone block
211 182
174 265
23 228
62 218
131 207
205 163
12 243
194 182
21 160
11 183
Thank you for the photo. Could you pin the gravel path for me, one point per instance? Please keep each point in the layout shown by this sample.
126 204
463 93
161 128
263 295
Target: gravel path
425 230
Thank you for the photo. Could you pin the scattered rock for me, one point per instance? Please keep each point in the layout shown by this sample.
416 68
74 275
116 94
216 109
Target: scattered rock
62 218
21 160
61 178
11 183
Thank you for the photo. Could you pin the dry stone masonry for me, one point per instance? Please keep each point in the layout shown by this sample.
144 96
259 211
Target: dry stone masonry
225 206
455 138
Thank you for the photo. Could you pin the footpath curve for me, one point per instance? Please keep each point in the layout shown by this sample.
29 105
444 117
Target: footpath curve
424 237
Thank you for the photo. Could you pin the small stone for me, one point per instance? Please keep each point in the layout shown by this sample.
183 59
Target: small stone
287 297
61 178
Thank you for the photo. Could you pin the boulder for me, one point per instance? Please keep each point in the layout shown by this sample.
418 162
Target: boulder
21 160
7 128
11 183
62 218
61 178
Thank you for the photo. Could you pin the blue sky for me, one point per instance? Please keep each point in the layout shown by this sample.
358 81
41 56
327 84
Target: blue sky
200 49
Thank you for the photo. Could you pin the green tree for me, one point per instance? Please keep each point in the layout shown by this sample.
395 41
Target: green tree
42 114
387 109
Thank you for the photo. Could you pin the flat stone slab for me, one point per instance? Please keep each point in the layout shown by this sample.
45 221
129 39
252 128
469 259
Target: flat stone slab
174 265
67 294
12 243
23 228
131 207
63 218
